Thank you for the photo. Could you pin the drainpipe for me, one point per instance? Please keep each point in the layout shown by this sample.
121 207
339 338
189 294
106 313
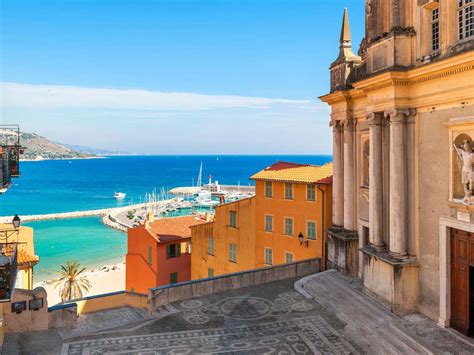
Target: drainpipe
323 246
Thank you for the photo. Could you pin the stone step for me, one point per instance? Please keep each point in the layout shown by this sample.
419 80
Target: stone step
367 322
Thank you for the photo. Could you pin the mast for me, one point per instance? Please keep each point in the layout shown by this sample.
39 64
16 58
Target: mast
199 181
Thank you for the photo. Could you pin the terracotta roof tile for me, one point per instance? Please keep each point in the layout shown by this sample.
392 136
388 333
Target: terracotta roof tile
168 229
297 173
22 256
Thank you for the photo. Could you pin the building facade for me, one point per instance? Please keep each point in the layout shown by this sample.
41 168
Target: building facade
159 253
283 223
293 209
402 113
226 244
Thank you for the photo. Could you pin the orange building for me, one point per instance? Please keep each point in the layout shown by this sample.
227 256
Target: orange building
159 253
292 202
227 244
293 210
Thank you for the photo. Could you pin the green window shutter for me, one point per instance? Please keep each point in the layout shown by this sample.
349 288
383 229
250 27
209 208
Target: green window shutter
168 251
178 251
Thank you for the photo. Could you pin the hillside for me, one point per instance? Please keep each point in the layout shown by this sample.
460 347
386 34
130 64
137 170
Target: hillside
39 148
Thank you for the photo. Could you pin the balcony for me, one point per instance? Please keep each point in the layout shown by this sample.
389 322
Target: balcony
10 151
8 270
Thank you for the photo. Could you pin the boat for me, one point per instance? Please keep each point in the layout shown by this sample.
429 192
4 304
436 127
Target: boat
120 195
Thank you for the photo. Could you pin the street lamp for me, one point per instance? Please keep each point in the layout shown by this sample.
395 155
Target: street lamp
16 222
302 241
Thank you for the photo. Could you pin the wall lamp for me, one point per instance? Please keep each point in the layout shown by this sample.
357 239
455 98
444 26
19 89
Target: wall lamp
302 241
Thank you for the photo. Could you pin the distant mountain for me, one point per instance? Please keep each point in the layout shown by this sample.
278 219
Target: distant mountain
40 148
93 151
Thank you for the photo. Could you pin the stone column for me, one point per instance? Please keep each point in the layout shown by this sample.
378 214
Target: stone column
398 183
376 182
349 175
338 175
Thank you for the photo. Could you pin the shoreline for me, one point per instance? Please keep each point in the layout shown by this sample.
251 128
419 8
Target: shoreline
62 159
80 214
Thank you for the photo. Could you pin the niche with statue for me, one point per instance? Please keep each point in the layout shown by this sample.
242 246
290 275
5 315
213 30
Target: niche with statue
462 171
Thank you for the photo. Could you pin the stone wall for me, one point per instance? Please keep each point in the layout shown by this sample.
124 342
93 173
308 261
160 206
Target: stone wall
160 296
26 319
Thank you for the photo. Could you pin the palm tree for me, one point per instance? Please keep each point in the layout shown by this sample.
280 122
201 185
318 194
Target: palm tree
72 281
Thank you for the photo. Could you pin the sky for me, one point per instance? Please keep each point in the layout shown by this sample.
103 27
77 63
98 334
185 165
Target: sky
173 76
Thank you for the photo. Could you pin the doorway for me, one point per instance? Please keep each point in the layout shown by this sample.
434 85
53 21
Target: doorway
462 281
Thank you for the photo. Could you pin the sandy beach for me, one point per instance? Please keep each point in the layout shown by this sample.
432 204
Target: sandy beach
108 278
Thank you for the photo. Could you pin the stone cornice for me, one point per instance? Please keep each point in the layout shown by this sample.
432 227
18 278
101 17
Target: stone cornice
448 67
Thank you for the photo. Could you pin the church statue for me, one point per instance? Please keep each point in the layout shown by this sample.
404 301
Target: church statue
466 158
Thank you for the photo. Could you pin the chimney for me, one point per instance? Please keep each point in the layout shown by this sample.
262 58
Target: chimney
149 219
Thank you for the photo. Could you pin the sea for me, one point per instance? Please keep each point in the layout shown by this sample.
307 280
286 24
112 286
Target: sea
53 186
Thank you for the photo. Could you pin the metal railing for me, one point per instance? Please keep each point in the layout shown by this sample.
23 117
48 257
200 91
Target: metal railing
11 150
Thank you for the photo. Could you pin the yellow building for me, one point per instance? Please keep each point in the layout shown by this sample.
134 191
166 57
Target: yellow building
20 242
293 209
291 199
402 113
25 254
227 244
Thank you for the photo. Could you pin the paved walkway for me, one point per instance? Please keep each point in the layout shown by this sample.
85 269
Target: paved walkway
271 318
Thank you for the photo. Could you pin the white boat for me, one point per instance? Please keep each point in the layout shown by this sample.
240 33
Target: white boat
120 195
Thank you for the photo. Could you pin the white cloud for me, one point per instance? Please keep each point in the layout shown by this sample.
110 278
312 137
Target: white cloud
167 123
14 95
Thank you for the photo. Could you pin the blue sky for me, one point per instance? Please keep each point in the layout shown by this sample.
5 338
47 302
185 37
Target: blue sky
173 77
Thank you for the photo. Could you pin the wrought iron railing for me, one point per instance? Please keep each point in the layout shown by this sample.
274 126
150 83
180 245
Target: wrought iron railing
8 270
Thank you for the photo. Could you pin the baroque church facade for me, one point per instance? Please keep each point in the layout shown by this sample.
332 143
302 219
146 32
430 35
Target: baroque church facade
402 114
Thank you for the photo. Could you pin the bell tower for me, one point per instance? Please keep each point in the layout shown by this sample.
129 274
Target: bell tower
345 63
389 34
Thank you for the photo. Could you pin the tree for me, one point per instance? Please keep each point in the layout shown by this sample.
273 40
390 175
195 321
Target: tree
72 283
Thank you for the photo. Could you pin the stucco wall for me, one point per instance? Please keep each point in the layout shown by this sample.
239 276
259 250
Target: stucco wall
301 211
433 193
243 236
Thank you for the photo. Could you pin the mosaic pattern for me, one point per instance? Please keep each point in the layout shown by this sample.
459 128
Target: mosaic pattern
244 308
95 322
298 336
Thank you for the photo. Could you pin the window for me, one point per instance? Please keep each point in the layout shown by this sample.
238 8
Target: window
173 250
288 191
210 245
288 226
466 18
288 258
268 256
210 272
435 30
311 229
268 189
233 252
268 223
233 219
311 192
150 255
173 277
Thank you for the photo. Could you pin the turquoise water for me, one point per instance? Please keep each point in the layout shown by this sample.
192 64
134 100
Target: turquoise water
86 240
61 186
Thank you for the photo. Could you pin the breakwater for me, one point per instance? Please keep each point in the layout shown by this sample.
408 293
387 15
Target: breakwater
79 214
